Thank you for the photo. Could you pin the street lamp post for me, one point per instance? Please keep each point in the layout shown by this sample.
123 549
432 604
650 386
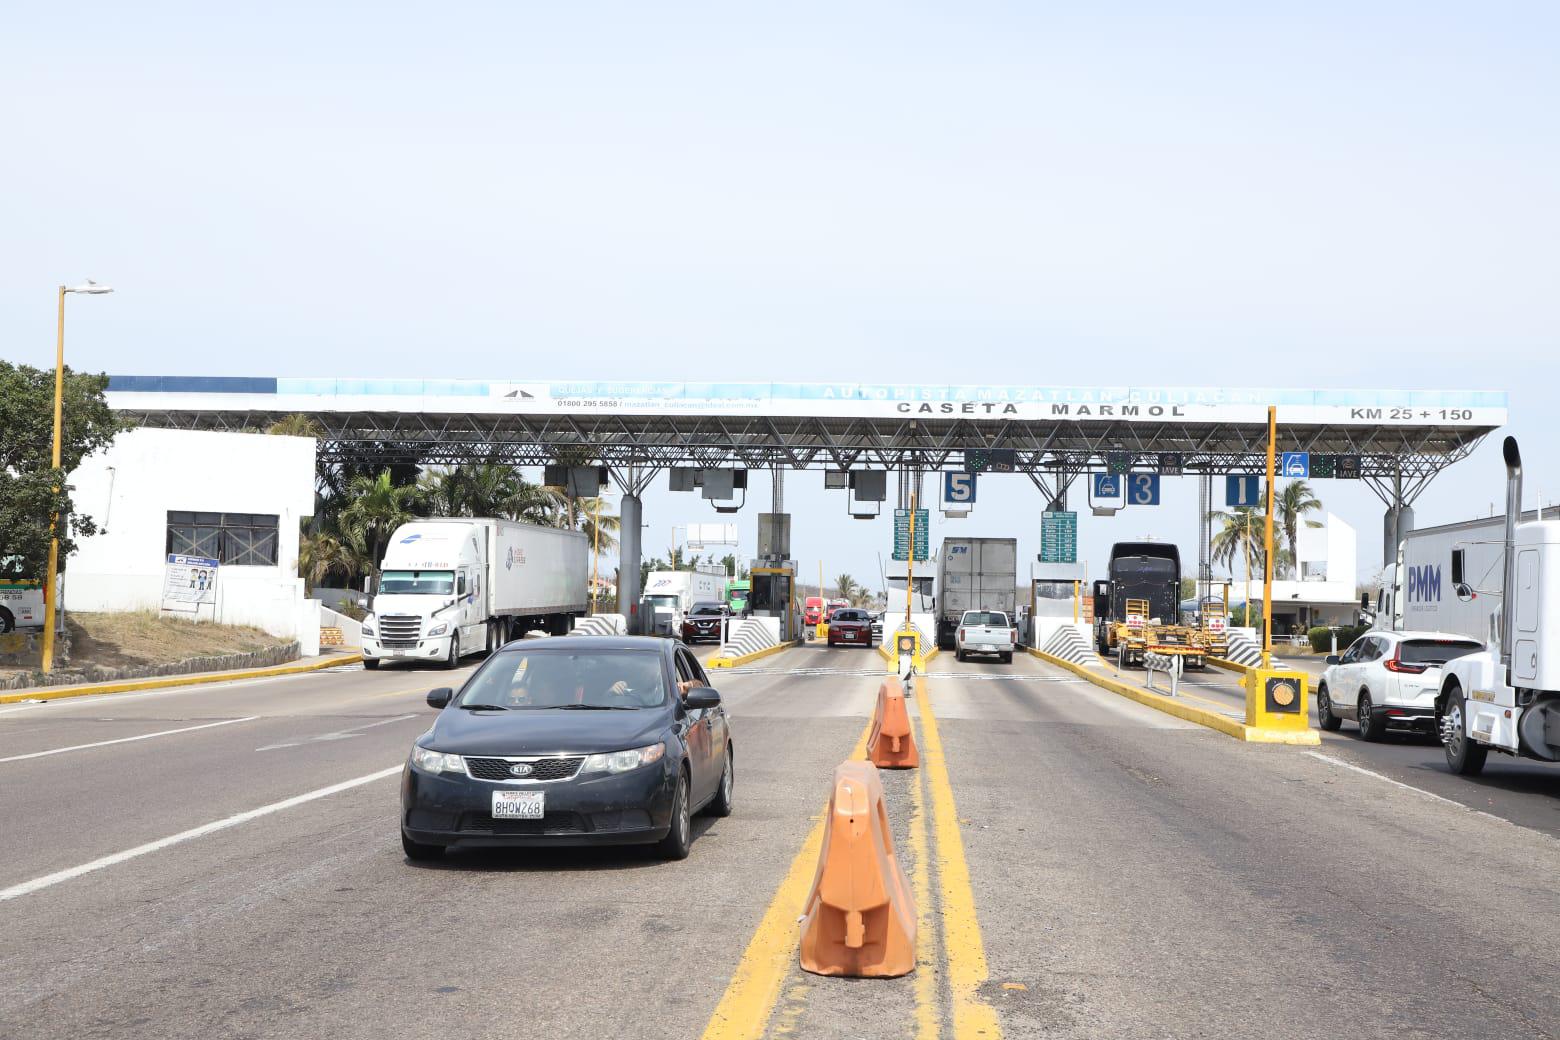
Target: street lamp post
50 587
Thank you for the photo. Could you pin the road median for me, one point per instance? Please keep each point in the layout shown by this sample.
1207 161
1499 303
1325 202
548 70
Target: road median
742 659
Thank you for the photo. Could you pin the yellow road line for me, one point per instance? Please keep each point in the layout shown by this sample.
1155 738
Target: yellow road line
754 989
966 951
928 1025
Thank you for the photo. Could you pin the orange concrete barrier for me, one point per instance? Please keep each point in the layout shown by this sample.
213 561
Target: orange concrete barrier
860 919
891 744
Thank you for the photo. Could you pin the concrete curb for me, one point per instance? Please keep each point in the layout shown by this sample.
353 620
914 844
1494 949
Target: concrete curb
1229 666
163 681
1171 706
741 659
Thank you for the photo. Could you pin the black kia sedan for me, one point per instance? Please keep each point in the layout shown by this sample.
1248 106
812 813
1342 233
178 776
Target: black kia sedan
574 740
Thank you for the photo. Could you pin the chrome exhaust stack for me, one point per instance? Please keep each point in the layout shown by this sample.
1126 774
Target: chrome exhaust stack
1508 596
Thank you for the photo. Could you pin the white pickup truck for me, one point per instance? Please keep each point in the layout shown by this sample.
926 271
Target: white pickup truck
984 632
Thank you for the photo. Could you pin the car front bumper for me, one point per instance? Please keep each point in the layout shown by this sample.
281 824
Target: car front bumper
622 809
436 648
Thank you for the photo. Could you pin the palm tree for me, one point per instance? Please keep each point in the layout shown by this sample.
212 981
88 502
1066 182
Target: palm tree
845 586
1242 533
597 523
322 554
295 425
376 509
1296 501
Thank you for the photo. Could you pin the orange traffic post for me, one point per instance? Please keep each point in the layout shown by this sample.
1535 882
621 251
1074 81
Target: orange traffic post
891 744
860 919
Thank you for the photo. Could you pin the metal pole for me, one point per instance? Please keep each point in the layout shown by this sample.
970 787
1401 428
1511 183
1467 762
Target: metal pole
910 558
50 607
1267 569
595 553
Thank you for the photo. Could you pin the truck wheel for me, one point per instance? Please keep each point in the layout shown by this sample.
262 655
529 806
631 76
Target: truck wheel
1372 725
370 664
1007 658
7 622
1463 756
453 661
1324 713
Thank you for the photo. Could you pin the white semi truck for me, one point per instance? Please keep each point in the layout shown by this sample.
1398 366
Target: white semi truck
673 593
1456 579
974 574
454 586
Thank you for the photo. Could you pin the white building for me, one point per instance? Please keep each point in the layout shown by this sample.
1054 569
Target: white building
236 498
1324 593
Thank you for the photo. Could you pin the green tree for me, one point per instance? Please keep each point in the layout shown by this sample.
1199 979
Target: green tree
295 425
32 491
323 555
844 587
376 507
1296 500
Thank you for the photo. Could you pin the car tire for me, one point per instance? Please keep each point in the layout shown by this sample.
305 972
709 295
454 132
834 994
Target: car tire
1007 658
679 836
958 655
418 852
1373 726
1463 756
453 661
1324 713
370 664
721 804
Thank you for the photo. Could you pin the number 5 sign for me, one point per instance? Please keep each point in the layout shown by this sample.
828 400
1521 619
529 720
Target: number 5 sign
959 489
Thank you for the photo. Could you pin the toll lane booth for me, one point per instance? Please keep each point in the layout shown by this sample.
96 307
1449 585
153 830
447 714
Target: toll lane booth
774 595
1058 597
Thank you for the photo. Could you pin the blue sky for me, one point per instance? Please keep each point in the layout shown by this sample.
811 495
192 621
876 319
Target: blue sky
1209 194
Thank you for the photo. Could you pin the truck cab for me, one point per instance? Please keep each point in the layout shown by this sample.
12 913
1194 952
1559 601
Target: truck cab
430 603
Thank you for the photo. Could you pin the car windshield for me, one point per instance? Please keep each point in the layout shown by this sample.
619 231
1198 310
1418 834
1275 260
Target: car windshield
986 617
520 680
426 583
1435 651
670 602
708 610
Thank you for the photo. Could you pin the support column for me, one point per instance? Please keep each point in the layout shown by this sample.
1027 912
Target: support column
1395 526
630 517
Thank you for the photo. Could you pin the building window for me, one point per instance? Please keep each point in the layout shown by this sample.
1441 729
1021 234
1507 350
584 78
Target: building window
234 539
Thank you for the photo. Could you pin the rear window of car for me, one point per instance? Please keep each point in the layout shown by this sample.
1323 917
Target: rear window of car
850 615
986 617
1436 651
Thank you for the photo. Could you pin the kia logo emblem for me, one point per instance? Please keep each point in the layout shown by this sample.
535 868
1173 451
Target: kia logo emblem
522 769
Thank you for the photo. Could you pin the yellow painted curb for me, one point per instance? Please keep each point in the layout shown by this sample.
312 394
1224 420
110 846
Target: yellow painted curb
1229 666
741 659
891 658
1170 706
164 681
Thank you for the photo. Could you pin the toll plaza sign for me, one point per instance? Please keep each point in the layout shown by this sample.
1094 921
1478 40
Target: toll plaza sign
1148 404
1058 537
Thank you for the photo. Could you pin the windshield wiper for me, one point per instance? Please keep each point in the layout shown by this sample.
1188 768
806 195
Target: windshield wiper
482 707
596 707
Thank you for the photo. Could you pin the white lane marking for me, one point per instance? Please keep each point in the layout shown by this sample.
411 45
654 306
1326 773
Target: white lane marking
126 740
1332 760
340 734
48 880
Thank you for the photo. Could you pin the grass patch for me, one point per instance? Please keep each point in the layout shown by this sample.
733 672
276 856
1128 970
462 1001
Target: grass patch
145 637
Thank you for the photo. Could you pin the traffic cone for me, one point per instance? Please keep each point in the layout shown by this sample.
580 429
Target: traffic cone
860 919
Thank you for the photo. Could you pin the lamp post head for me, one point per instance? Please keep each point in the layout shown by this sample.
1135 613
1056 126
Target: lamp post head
91 288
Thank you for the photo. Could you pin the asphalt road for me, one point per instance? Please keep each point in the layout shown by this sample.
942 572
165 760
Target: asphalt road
1084 867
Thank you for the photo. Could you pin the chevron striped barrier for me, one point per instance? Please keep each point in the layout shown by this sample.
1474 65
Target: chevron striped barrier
1070 645
747 637
1243 650
600 625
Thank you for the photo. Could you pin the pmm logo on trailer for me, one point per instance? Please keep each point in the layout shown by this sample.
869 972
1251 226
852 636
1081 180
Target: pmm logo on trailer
513 556
1424 584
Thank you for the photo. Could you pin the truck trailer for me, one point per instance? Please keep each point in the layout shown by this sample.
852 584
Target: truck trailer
673 593
1458 579
1138 608
454 586
974 574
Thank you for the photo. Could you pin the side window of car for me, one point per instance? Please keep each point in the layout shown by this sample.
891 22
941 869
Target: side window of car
698 671
683 674
1352 655
1374 651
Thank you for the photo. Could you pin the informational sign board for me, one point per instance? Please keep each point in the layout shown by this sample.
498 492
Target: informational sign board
1242 490
1143 489
902 535
188 582
1296 465
959 489
1058 537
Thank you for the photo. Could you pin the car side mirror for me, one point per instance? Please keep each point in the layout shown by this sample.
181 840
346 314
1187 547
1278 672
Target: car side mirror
440 698
1334 659
701 697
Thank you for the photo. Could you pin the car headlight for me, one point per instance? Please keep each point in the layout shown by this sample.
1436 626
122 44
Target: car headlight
438 630
623 761
368 625
436 761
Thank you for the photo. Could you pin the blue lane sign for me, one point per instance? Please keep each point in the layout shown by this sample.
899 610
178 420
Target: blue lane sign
1143 489
1296 465
1242 489
959 488
1108 485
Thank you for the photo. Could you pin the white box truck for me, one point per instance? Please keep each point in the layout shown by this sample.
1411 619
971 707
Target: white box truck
1456 579
673 593
454 586
974 574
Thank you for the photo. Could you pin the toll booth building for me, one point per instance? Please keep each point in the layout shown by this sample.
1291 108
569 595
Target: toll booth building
1322 590
197 524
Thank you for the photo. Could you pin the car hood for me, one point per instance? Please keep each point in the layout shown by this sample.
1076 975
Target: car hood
543 731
